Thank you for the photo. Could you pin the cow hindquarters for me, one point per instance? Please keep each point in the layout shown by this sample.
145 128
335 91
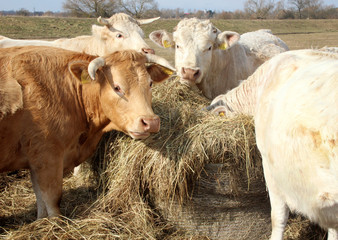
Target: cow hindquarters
47 184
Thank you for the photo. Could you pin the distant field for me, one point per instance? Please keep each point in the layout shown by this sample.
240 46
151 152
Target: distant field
296 33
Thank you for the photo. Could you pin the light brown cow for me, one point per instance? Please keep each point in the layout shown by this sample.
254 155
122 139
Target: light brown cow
51 120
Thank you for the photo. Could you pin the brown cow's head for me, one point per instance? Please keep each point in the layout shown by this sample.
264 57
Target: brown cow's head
125 80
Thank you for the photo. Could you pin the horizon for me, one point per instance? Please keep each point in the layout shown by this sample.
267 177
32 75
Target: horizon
187 5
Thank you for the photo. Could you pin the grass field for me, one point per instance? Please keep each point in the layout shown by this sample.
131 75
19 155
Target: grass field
297 34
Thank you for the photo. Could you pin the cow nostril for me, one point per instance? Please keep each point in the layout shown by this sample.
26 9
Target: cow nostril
144 123
150 124
196 73
148 50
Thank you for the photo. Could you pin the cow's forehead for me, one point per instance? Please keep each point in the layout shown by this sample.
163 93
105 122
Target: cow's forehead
127 27
124 23
194 30
128 68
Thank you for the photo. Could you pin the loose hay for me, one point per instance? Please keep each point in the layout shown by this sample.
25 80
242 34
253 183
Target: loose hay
140 184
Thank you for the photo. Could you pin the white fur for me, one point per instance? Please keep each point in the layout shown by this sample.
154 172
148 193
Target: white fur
220 70
104 39
294 100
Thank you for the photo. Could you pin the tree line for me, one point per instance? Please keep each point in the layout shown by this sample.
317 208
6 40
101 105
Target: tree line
252 9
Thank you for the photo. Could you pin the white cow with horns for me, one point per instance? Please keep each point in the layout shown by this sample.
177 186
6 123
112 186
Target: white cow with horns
294 100
120 32
215 61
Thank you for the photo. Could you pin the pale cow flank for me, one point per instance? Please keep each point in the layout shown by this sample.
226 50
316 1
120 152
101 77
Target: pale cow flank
51 119
293 98
215 61
120 32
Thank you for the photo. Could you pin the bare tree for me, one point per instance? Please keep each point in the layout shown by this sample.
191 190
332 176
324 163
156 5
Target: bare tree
313 8
90 8
137 8
299 5
23 12
259 8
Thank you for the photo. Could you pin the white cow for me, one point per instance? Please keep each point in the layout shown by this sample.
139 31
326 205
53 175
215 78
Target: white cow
294 100
120 32
215 61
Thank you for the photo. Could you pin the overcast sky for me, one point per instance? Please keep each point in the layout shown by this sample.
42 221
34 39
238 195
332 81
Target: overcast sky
216 5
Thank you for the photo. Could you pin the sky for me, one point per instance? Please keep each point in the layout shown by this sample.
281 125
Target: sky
215 5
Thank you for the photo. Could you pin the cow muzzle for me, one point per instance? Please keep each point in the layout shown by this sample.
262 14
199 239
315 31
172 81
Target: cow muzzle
148 50
145 126
190 74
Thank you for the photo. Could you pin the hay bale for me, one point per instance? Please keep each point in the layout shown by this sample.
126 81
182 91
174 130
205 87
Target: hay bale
200 177
201 172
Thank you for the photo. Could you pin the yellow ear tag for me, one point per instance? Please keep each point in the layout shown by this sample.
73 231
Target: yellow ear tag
85 78
223 46
166 44
167 71
221 114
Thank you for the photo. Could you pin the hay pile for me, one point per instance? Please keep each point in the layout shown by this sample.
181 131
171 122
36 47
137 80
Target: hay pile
131 187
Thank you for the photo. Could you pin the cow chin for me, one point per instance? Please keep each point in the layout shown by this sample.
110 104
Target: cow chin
139 135
189 83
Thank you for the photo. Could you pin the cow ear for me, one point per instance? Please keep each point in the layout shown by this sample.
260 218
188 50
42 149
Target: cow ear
101 32
227 39
159 73
79 70
162 38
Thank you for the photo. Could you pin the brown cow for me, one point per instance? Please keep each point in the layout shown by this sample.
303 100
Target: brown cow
51 120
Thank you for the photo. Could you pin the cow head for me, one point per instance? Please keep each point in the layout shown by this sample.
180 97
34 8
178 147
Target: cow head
125 81
195 42
122 32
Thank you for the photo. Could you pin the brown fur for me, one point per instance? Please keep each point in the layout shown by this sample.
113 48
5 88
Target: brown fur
53 122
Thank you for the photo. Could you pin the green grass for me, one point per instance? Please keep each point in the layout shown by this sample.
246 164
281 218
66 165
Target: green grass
44 27
296 33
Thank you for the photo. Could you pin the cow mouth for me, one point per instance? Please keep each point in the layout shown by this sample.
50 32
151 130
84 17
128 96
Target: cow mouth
187 82
139 135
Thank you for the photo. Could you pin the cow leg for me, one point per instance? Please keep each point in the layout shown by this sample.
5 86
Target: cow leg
279 209
42 210
332 234
47 184
279 216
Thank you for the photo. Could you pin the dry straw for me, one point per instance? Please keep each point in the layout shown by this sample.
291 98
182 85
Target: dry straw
131 176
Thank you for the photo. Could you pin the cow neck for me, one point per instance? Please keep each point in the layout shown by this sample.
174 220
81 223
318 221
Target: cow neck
95 118
89 44
209 85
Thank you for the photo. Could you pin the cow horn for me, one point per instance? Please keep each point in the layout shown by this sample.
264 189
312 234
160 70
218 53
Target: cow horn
151 58
94 65
146 21
103 21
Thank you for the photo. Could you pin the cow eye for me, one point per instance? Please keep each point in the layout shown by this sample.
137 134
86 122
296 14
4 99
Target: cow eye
151 83
209 48
119 35
177 46
118 90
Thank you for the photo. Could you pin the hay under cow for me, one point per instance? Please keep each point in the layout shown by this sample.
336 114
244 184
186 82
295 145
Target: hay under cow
200 177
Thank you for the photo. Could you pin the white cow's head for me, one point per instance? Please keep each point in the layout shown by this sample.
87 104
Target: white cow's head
195 42
122 32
